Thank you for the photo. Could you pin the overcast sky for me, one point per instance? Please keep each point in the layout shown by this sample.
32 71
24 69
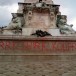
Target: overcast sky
10 6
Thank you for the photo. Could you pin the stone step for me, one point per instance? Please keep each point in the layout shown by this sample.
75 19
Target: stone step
39 58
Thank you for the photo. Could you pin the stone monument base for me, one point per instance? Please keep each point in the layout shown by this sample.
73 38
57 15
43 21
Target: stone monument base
20 48
28 31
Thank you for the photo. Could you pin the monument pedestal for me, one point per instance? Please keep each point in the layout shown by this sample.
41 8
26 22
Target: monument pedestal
38 42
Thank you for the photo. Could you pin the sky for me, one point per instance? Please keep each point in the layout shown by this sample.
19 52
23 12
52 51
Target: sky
10 6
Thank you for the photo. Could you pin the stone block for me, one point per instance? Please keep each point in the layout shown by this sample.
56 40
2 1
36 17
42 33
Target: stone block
54 32
29 31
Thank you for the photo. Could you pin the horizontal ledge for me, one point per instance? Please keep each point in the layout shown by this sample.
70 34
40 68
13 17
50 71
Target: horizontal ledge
23 37
35 3
60 54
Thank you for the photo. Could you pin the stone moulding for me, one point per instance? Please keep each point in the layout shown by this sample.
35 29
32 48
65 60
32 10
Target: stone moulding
23 37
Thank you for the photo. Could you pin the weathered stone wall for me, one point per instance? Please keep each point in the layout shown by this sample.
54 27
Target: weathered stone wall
35 46
37 49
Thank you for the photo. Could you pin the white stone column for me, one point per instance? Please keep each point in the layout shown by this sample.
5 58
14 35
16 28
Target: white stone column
20 10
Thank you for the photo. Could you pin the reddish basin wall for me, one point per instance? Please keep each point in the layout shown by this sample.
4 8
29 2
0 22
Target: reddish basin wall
37 45
42 48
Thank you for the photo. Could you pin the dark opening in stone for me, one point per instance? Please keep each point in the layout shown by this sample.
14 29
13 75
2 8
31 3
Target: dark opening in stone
40 0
